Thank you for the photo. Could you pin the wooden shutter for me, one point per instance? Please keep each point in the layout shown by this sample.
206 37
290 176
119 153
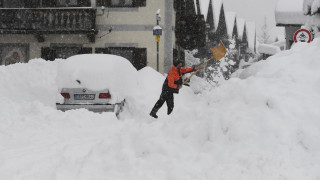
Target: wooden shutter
140 58
139 3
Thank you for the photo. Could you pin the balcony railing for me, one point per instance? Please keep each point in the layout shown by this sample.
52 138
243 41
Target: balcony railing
48 21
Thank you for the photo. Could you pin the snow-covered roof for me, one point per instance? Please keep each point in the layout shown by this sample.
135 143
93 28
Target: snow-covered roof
230 19
290 12
240 27
251 34
268 49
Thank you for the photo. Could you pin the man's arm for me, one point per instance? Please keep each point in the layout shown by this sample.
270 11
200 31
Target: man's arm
186 70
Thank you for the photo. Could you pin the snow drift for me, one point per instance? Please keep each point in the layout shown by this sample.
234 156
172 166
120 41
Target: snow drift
263 124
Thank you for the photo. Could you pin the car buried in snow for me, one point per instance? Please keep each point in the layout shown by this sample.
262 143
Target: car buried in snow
95 82
96 101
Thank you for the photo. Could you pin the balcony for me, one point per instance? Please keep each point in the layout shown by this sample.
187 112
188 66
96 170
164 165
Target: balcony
40 21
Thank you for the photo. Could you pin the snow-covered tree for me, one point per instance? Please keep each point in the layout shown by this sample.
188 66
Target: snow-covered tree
265 36
190 59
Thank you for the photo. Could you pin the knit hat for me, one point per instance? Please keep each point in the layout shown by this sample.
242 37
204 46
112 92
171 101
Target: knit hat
175 63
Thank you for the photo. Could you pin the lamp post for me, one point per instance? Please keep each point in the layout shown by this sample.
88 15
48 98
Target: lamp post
157 31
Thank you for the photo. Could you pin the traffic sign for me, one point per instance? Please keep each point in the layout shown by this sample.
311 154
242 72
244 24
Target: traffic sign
302 35
157 31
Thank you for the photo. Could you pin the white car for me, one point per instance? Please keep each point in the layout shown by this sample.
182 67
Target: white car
97 82
96 101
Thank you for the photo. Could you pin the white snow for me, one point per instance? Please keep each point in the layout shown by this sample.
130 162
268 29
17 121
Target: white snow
290 12
268 49
97 72
262 124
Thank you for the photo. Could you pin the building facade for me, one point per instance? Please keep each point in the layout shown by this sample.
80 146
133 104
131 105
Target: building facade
53 29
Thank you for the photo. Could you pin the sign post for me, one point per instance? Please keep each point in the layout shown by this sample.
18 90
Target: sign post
302 35
157 31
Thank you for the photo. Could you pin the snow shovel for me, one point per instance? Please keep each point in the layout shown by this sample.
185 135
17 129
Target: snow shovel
219 51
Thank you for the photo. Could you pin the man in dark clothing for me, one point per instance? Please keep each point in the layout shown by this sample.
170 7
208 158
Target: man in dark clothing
171 85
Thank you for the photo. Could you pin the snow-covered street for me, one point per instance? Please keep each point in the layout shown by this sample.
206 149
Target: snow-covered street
263 123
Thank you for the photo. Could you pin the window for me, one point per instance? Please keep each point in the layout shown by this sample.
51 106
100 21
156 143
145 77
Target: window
63 51
137 56
66 3
12 53
13 3
121 3
44 3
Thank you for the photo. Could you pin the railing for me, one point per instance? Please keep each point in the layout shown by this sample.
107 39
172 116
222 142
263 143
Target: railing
47 20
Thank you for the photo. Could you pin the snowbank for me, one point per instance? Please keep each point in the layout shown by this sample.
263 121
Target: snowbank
263 124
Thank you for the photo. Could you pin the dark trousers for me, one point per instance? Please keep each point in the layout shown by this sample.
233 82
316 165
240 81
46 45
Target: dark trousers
166 96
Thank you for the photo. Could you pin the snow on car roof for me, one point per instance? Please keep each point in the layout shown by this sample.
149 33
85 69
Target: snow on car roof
97 72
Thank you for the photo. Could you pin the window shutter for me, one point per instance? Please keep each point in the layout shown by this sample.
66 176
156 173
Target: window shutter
85 51
140 58
102 51
84 3
106 3
31 3
48 53
140 3
48 3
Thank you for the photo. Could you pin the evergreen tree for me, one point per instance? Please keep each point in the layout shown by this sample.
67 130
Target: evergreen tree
265 36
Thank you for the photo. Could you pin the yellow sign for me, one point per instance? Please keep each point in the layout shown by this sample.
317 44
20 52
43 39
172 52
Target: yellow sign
219 51
157 38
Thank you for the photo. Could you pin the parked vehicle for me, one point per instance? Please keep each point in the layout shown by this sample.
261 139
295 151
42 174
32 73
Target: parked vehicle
96 101
96 82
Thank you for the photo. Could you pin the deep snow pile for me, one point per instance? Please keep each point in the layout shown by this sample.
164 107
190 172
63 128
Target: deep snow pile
263 124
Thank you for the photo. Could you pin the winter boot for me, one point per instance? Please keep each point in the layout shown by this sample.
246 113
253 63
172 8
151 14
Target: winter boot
153 114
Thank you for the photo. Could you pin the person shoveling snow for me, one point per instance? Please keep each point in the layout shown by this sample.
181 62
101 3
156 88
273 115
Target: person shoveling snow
174 82
171 85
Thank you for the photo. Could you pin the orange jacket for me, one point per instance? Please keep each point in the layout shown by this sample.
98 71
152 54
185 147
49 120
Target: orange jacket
173 75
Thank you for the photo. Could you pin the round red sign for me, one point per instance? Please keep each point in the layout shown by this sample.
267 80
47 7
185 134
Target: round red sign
302 35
